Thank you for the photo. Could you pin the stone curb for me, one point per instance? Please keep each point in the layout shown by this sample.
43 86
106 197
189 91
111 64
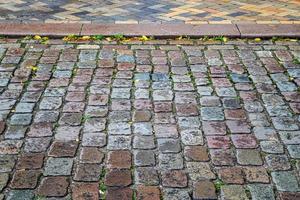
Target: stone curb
156 30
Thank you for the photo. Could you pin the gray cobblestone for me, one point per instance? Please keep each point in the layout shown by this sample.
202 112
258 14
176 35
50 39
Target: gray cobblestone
285 181
261 192
58 166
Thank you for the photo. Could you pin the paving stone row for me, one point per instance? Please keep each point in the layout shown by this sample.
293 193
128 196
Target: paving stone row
162 119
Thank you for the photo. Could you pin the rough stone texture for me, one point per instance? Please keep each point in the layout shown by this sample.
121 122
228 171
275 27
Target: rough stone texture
285 181
30 161
260 191
149 119
248 157
174 179
119 159
196 153
117 177
148 192
144 158
119 193
58 166
20 194
204 190
3 180
25 179
231 175
146 176
256 174
234 192
54 187
91 155
63 149
81 190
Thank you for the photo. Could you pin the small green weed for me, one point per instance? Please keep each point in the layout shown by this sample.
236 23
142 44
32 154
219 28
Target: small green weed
296 61
218 184
220 38
98 37
70 37
84 118
118 37
293 162
134 196
102 186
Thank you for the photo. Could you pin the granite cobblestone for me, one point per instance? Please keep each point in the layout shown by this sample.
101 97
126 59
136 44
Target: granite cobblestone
171 119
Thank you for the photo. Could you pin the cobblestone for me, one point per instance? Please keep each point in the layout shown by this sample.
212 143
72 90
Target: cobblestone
285 181
146 176
20 194
58 166
87 172
30 161
233 192
204 190
256 174
260 191
148 192
166 119
25 179
117 177
53 187
231 175
248 157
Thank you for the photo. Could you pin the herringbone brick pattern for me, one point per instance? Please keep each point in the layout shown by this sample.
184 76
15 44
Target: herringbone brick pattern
159 11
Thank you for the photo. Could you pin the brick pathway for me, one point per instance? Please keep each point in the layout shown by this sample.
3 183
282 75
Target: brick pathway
176 119
141 11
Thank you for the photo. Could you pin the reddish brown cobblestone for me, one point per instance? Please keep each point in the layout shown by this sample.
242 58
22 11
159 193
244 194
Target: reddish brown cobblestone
120 193
159 119
148 193
53 187
83 190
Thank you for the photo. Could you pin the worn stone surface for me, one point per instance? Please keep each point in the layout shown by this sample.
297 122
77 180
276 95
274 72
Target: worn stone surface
81 190
118 177
231 175
146 176
234 192
256 174
149 119
119 193
30 161
91 155
20 194
54 186
204 190
148 192
261 191
119 159
286 181
174 179
87 172
58 166
248 157
25 179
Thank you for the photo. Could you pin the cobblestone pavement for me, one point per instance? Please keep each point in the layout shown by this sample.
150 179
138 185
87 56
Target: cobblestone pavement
141 11
177 119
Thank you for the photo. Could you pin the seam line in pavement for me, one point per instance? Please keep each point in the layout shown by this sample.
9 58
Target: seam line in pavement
81 27
237 27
